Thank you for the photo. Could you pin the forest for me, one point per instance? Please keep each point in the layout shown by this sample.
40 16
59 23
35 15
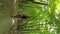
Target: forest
29 16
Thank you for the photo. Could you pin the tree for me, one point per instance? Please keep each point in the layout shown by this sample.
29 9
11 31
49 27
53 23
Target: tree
45 17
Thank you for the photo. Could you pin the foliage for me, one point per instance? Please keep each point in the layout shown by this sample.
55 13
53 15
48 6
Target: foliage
45 19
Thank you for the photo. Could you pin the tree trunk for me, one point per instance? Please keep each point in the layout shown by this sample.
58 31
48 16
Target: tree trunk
14 20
